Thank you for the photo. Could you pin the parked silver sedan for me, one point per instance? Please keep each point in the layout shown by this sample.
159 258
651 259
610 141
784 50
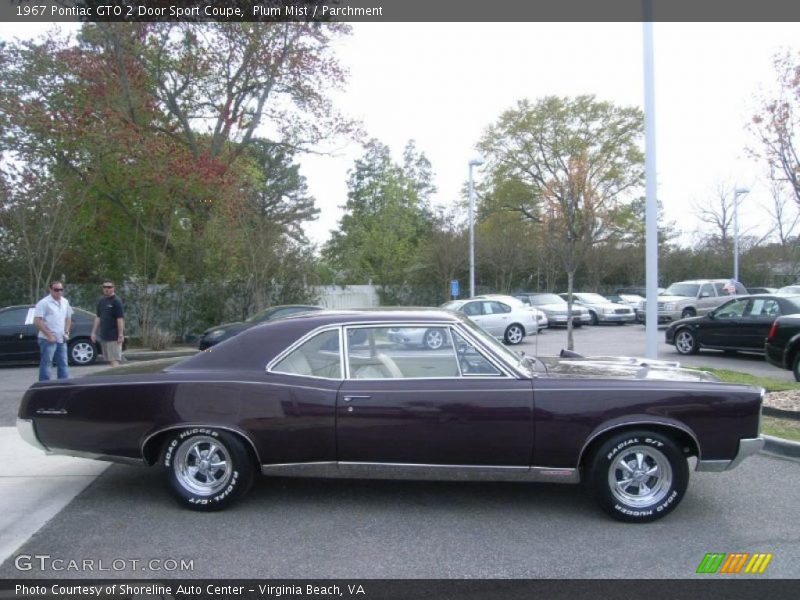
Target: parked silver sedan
504 317
602 310
556 308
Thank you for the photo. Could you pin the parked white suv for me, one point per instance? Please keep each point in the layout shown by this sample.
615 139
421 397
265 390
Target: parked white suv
694 298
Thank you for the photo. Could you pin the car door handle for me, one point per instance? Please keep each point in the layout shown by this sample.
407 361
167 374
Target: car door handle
351 398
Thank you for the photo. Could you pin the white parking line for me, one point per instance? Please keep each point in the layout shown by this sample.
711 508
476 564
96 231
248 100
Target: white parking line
35 487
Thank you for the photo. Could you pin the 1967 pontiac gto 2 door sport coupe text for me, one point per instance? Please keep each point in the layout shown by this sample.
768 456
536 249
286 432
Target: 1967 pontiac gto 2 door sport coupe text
329 394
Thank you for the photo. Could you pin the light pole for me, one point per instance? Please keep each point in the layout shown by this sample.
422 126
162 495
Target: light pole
736 193
475 162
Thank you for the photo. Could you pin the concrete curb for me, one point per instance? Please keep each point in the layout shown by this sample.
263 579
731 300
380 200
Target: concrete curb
781 447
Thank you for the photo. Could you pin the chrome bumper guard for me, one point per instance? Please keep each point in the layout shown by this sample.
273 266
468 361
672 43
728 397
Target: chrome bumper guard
27 432
747 447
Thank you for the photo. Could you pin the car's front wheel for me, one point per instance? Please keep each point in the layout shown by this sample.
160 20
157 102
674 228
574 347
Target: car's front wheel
688 313
686 342
593 315
514 334
207 468
638 476
81 352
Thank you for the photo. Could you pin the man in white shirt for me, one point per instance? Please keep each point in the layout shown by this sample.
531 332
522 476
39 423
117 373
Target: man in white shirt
53 318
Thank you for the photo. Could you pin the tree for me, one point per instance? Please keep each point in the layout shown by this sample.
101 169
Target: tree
386 219
577 160
443 254
775 124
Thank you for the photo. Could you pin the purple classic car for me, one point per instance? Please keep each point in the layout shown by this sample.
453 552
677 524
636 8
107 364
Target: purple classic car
330 394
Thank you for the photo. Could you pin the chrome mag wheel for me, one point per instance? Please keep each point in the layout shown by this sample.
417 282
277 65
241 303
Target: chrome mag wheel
640 477
203 466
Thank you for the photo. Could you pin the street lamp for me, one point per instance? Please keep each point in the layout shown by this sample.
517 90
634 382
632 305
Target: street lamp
475 162
736 193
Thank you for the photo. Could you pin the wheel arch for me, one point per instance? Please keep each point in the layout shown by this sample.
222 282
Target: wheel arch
683 436
153 445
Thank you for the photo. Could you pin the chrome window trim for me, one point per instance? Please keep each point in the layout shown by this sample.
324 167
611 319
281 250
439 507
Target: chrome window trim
302 340
502 366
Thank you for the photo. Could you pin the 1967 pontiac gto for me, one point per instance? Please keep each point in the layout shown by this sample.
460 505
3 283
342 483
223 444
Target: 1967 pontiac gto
329 394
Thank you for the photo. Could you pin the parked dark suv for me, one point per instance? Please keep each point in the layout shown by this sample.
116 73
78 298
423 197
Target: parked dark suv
18 336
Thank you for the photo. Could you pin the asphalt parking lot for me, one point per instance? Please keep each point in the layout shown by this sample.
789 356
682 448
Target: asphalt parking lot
312 528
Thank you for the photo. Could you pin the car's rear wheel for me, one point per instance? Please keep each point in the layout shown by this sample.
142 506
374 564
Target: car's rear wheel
686 342
638 476
207 468
433 339
595 320
514 334
81 352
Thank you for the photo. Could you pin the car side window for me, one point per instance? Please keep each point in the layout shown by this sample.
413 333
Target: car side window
394 353
499 307
15 316
472 309
765 307
707 291
317 357
731 310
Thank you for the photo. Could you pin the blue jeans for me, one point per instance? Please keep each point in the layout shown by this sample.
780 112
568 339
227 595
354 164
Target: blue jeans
47 351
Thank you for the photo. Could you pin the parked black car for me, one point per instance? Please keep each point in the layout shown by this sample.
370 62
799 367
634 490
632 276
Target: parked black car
215 335
782 348
18 336
741 324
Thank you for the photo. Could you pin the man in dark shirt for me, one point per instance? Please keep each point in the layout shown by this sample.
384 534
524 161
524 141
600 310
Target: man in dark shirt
111 321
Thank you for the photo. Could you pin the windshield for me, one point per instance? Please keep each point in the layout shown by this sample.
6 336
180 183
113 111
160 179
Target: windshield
683 289
546 299
592 298
509 355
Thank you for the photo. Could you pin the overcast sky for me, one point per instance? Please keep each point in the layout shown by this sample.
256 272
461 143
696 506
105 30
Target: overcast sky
442 84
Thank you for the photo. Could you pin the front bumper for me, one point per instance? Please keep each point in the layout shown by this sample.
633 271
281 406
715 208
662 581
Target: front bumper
747 447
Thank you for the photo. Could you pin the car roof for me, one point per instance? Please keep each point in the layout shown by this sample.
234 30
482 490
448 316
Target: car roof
29 306
256 346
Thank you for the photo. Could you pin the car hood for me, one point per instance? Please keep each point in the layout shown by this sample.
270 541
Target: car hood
673 298
622 367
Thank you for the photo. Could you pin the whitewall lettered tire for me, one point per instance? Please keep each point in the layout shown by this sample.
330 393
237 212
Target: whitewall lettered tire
207 468
638 476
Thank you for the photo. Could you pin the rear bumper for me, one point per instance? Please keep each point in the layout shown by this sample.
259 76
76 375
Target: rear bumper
775 356
27 431
626 318
747 447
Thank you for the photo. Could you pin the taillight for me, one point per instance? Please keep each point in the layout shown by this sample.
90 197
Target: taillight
773 330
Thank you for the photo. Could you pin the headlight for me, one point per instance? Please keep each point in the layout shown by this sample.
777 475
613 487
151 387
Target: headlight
216 334
669 306
608 311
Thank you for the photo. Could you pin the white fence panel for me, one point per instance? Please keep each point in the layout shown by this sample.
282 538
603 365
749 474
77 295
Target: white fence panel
350 296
